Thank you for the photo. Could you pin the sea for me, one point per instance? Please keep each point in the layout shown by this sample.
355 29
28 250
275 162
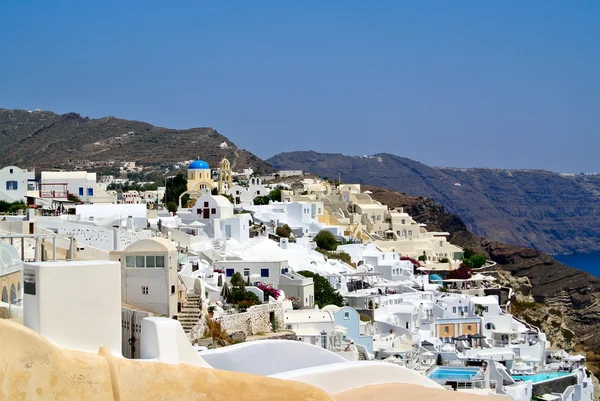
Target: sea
590 262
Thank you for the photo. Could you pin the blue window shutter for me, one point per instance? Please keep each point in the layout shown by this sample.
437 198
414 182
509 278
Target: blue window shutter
90 191
80 191
264 272
229 272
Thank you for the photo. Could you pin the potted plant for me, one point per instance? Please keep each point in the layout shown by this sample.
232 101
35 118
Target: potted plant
211 311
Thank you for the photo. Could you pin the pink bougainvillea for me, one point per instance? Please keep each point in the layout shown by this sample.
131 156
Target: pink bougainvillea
412 260
269 290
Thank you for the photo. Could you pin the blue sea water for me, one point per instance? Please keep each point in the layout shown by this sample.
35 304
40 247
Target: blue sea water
590 262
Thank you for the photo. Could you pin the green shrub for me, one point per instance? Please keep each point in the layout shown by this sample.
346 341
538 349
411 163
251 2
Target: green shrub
283 231
364 318
444 260
325 240
325 294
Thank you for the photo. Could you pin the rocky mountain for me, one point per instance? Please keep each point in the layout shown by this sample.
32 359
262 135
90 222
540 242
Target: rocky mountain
44 139
566 300
553 213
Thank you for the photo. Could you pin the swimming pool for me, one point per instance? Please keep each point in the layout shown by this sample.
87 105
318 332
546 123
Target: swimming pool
452 373
540 377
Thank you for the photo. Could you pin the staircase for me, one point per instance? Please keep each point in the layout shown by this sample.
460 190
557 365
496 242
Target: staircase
361 356
190 312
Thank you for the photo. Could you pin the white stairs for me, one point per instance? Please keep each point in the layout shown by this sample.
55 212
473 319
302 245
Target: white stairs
190 312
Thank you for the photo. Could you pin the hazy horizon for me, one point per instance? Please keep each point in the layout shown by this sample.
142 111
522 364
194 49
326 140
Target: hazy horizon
464 84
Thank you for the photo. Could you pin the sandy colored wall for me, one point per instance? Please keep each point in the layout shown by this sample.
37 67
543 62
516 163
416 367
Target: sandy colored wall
33 369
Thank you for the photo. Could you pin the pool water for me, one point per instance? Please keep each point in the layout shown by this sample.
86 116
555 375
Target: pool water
540 377
444 373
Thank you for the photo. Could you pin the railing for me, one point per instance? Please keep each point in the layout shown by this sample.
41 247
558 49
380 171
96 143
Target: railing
567 392
479 384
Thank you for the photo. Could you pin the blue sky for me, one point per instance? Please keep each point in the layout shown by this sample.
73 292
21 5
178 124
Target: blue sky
511 84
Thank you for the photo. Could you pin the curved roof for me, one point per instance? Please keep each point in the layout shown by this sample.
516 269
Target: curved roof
9 259
151 245
198 165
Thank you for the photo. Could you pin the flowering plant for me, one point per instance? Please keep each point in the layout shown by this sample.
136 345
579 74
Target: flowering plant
218 271
412 260
269 290
295 302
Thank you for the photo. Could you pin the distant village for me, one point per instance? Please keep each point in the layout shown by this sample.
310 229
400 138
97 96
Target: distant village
202 262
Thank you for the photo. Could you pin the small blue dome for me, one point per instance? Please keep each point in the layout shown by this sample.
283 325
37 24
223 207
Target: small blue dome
198 165
435 277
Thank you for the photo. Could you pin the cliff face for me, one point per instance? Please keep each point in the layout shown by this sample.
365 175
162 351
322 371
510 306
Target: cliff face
569 298
550 212
46 139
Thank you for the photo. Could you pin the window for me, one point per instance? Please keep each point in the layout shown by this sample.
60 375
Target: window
454 309
229 272
129 261
264 272
145 290
80 191
160 261
11 170
213 211
90 191
490 326
198 211
346 315
172 289
205 204
469 327
246 272
150 261
446 329
12 185
410 233
403 221
140 261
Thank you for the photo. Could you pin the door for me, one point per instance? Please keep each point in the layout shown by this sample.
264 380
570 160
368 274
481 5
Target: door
206 214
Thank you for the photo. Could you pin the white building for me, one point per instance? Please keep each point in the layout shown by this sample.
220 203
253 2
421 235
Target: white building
245 195
79 183
149 275
15 182
215 212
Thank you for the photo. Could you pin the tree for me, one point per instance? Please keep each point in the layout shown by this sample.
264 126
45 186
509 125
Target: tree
423 258
172 207
175 187
275 195
73 198
237 281
478 261
262 200
325 294
284 231
325 240
468 253
229 197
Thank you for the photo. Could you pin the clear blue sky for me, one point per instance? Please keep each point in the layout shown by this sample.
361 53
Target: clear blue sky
513 84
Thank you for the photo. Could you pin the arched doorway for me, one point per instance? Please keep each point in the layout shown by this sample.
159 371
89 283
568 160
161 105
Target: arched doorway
4 295
13 294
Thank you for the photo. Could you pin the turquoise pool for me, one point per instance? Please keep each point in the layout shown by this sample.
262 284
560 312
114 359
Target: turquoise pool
449 373
540 377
